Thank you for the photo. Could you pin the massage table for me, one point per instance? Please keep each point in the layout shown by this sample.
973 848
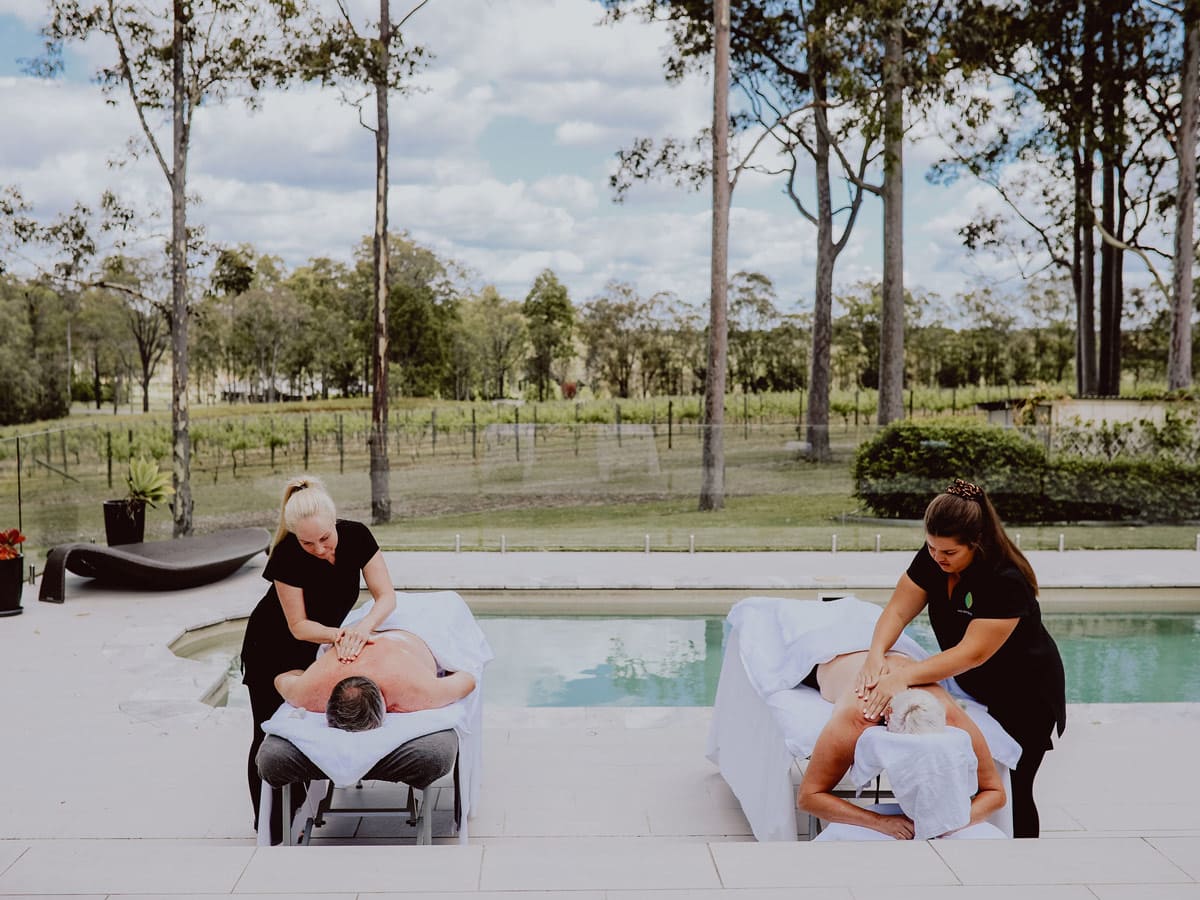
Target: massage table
765 724
345 760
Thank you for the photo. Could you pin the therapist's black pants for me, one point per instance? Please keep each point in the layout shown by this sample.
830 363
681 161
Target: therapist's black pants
1025 814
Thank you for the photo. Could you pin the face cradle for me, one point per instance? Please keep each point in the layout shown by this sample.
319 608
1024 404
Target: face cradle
953 557
318 537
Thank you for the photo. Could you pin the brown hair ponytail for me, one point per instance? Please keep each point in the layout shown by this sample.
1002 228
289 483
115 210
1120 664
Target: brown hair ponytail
965 514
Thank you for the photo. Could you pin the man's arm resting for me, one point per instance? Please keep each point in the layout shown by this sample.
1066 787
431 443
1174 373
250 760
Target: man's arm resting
290 686
450 688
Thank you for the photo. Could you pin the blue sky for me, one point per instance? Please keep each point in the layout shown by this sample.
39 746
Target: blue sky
502 163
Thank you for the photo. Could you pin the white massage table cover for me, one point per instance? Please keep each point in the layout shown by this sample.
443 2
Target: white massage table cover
444 621
762 723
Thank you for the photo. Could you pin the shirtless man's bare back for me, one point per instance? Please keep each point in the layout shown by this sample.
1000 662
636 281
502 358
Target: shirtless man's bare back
399 662
833 753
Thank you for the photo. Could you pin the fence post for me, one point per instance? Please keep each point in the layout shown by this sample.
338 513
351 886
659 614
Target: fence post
517 430
576 429
19 523
745 417
108 453
62 445
271 441
617 406
474 436
306 439
670 421
341 446
433 430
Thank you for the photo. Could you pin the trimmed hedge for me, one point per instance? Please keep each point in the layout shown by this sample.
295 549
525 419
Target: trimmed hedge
906 464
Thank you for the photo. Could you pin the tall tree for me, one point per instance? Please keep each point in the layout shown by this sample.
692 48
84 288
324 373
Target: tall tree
133 281
1081 96
171 61
550 318
752 316
712 454
1179 352
891 331
334 51
611 327
497 330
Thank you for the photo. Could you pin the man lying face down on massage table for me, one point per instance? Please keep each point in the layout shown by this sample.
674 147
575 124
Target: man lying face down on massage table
834 751
396 672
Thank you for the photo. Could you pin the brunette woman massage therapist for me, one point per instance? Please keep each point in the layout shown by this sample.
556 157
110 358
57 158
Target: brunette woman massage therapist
314 568
981 594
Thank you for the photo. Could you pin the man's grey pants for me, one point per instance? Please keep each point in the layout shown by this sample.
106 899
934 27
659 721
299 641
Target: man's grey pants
418 763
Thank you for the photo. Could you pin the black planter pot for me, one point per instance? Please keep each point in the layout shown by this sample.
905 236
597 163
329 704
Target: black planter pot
12 580
124 522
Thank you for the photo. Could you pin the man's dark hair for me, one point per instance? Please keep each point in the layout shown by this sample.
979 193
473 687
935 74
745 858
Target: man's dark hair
356 704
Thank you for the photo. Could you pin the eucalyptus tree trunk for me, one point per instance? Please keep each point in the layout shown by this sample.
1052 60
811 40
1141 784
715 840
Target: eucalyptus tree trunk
712 484
1179 353
181 442
381 501
822 337
891 331
1112 128
1085 231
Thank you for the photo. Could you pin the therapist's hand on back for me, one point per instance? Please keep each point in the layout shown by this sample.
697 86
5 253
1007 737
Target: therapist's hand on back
350 642
868 676
878 699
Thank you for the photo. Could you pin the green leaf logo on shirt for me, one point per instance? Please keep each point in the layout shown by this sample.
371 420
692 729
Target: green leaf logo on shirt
968 600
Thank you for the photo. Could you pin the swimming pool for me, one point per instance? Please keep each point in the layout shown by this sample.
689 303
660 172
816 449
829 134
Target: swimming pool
676 660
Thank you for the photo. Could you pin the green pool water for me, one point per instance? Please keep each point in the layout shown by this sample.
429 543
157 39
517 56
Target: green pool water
656 661
676 661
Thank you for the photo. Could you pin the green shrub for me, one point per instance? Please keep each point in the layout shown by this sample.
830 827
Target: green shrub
1157 489
898 471
906 464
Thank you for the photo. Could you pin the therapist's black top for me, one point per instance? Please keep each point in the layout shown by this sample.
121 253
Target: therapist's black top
1022 684
330 592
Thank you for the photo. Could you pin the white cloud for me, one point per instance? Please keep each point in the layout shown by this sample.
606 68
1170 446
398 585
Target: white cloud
576 132
296 177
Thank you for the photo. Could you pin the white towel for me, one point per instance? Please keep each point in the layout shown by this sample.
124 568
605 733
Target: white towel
782 640
933 776
346 756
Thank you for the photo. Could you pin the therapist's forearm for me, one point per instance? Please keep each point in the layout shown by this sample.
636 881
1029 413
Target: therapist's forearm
385 604
887 631
314 632
940 666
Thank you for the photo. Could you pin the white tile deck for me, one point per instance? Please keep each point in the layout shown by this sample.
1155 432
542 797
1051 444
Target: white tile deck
804 864
1094 860
139 790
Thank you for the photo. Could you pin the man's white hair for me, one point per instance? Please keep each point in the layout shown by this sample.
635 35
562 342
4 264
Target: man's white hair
915 712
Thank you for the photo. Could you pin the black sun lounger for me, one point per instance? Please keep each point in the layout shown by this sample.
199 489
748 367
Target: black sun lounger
154 565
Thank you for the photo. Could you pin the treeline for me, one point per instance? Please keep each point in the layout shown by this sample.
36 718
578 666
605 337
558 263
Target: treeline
263 332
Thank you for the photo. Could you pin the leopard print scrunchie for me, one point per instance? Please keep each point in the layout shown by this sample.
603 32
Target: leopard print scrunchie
966 490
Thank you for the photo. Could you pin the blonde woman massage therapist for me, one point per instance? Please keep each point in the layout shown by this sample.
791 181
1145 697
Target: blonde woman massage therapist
314 568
